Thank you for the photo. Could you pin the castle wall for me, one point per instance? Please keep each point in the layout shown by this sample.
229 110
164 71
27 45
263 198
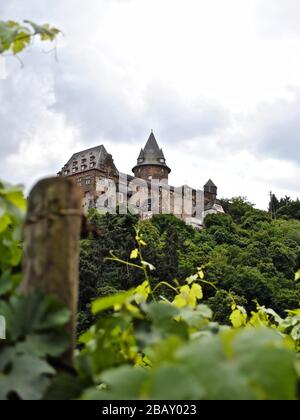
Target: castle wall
155 172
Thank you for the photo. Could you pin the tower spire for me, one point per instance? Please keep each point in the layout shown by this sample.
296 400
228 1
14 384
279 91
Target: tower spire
151 161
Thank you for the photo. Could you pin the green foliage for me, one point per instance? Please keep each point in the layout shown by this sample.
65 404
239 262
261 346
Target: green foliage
244 252
35 331
12 209
15 37
163 336
172 350
285 208
34 323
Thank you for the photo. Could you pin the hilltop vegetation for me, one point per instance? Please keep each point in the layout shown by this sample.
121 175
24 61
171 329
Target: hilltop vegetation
145 346
244 252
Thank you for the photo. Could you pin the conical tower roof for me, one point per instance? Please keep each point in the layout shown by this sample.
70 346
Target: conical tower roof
210 183
152 155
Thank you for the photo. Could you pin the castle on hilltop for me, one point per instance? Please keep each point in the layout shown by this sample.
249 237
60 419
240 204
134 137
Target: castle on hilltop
148 191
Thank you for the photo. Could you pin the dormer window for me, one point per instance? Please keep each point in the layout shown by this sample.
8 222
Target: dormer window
83 160
140 160
92 165
75 170
83 167
66 172
162 160
92 158
75 163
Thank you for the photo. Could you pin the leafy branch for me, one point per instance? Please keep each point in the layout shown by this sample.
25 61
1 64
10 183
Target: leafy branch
15 37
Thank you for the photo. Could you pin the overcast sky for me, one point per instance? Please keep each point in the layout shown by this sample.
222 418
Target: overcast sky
218 82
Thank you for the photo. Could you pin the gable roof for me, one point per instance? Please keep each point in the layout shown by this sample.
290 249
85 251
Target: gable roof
93 158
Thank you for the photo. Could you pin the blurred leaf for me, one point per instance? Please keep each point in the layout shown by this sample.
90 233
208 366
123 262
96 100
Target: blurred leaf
28 378
104 303
42 345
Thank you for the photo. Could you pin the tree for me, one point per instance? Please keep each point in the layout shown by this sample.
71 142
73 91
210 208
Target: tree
290 210
237 207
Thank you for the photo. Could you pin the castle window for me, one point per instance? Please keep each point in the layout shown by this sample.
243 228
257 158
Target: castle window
74 170
92 165
83 167
88 180
79 181
66 172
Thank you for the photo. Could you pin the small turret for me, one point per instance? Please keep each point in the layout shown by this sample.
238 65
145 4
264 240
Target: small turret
210 192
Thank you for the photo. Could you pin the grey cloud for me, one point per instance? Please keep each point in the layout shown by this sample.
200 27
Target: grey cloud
94 96
24 96
98 105
179 119
272 130
279 18
91 97
278 130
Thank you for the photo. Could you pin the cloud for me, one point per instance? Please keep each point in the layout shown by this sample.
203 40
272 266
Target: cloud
180 119
280 130
215 87
277 18
272 130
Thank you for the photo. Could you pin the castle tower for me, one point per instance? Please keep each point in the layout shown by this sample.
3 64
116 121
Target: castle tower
151 163
210 192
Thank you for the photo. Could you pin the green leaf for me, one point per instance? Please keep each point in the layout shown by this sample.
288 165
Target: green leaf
104 303
266 361
238 319
7 355
41 345
28 378
34 313
161 312
172 382
206 361
6 284
17 199
21 41
125 383
46 32
65 387
5 221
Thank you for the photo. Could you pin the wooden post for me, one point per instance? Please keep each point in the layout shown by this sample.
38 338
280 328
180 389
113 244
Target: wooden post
52 240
